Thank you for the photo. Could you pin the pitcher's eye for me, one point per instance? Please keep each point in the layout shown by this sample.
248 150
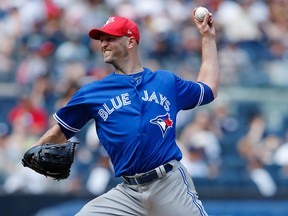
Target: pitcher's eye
108 39
111 39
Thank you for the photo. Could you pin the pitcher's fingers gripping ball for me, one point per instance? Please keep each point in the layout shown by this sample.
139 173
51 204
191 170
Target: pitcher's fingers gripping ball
51 160
200 13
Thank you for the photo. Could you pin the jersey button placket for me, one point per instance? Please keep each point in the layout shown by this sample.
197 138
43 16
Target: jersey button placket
141 129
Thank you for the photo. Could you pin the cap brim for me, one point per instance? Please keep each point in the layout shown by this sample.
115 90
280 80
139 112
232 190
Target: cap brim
96 33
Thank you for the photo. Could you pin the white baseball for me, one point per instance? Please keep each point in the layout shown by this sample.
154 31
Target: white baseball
200 13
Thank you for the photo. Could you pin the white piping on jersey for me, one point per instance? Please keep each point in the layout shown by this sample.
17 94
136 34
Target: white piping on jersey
201 94
64 124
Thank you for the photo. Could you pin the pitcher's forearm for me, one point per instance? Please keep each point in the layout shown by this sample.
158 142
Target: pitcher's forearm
209 71
53 135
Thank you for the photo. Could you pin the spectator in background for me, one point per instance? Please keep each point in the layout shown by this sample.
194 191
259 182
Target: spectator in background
11 24
7 45
100 168
261 177
66 93
29 116
248 145
101 174
277 63
195 160
34 65
233 60
28 121
256 147
72 50
199 138
222 117
4 156
239 26
201 121
258 142
281 157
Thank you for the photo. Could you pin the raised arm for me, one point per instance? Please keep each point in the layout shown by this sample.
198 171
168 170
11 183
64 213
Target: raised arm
209 71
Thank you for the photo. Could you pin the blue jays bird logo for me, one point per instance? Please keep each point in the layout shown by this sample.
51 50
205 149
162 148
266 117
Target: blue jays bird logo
164 122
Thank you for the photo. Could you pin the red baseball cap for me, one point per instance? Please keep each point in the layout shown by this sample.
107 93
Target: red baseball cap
117 26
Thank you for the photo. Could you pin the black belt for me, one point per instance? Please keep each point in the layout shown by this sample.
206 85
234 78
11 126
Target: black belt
148 176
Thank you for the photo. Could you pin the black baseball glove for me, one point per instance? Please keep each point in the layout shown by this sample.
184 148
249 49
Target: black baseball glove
51 160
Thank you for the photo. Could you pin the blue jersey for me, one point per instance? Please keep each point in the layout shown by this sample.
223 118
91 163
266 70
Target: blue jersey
135 116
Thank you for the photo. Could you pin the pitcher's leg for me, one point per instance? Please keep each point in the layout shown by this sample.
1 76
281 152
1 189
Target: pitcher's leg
118 201
175 195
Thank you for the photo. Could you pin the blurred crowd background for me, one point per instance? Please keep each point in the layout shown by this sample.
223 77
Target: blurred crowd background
241 139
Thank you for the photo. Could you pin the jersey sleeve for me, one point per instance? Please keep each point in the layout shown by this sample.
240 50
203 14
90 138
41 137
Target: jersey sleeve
191 94
74 115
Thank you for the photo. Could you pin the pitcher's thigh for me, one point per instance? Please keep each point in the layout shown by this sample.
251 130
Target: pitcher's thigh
176 196
115 202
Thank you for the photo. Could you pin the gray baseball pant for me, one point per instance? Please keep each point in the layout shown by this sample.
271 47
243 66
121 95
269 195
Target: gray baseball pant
172 195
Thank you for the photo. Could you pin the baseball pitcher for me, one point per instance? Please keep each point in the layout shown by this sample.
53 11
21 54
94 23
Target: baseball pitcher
135 111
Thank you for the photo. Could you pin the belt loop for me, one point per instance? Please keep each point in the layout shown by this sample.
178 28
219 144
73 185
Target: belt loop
161 172
136 181
126 179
